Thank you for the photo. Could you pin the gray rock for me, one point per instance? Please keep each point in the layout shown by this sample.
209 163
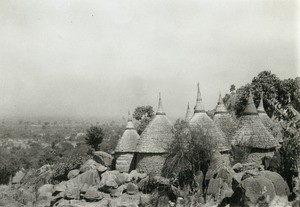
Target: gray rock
135 175
119 191
238 167
73 173
18 177
89 165
281 187
72 193
90 177
257 189
92 194
103 158
132 189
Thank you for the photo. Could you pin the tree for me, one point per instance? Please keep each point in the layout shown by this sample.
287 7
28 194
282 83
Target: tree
94 137
188 155
232 88
275 92
141 112
144 115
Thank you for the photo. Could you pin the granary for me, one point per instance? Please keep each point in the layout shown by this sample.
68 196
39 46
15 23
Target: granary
253 135
188 114
273 128
224 121
201 120
126 147
154 142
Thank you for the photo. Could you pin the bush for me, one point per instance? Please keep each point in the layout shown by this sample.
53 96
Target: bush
94 137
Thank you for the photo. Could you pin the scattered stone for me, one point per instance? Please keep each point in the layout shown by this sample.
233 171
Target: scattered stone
18 177
135 175
258 189
281 187
73 173
132 189
101 169
145 200
92 194
89 165
90 177
238 167
72 193
84 188
60 187
103 158
119 191
122 178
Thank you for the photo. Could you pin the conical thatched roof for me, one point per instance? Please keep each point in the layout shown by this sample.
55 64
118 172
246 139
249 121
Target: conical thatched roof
129 139
188 114
201 120
251 132
224 121
158 135
273 128
294 111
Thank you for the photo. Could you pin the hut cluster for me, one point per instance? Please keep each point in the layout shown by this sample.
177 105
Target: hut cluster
254 131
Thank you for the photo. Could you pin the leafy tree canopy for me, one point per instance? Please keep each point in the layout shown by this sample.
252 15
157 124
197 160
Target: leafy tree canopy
94 137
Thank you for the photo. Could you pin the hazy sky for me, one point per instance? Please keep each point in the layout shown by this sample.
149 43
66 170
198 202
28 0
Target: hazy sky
103 58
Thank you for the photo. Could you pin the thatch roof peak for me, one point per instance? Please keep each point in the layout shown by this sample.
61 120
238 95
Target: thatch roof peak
199 107
129 125
157 136
188 114
202 121
260 108
220 108
129 139
160 110
250 107
253 134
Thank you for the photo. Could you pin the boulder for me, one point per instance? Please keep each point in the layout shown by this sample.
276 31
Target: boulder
90 177
132 189
73 173
119 191
101 169
18 177
125 200
281 187
220 185
60 187
72 193
103 158
257 189
238 167
135 175
46 189
108 181
92 194
43 169
89 165
145 200
122 178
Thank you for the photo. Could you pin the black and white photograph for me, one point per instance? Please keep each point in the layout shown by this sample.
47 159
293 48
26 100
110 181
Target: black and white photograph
138 103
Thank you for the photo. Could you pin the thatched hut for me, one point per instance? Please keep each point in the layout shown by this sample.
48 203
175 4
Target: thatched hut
188 114
201 120
273 128
126 147
154 142
224 121
253 136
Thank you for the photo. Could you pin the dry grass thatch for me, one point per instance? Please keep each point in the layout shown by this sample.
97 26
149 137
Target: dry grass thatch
128 141
157 136
253 134
201 120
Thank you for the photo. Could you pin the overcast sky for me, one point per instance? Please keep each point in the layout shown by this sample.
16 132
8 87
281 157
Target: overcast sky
103 58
